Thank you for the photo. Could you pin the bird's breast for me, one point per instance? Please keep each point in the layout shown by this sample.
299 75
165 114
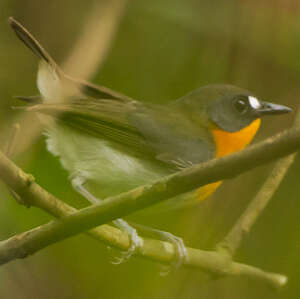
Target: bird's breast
228 142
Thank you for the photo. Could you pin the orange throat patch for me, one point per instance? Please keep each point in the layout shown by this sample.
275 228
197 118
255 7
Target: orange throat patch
227 142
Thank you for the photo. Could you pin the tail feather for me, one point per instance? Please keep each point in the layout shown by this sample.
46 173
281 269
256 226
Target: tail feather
45 83
28 39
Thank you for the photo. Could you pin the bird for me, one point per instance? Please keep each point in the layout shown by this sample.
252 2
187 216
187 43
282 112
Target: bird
110 142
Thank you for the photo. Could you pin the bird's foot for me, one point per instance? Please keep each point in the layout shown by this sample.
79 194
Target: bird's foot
180 251
135 241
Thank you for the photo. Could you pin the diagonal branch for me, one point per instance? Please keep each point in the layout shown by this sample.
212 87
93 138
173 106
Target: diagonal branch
123 204
245 222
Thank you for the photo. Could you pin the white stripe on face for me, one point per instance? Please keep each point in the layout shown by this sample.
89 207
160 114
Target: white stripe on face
254 103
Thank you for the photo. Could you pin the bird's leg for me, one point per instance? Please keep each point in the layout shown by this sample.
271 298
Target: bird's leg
180 249
77 184
135 241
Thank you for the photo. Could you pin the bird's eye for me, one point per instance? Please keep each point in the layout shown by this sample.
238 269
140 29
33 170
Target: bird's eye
241 105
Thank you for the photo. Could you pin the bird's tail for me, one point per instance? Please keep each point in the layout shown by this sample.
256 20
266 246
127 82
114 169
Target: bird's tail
49 74
52 89
30 41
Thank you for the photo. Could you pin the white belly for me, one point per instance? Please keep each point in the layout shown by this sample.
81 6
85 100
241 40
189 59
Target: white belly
97 162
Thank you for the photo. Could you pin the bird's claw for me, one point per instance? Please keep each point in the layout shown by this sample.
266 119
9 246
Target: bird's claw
135 242
180 251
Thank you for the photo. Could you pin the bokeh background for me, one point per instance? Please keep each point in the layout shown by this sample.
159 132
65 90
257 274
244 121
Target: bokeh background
154 51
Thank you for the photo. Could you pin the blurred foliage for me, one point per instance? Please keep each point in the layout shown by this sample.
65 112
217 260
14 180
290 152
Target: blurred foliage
163 49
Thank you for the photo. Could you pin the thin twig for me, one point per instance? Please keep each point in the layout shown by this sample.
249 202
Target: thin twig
245 222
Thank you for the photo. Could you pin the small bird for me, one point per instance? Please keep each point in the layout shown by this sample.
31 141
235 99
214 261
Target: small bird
112 143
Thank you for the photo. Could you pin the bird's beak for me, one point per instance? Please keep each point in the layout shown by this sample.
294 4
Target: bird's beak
270 108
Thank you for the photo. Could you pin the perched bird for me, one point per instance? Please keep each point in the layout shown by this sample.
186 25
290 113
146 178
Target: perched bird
111 143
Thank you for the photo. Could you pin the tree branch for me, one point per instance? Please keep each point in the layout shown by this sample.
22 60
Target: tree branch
24 244
123 204
29 242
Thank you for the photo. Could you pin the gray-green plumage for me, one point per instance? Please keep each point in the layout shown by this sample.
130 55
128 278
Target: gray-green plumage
159 133
105 137
123 145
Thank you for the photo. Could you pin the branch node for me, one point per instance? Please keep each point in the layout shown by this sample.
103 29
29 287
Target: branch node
224 249
29 179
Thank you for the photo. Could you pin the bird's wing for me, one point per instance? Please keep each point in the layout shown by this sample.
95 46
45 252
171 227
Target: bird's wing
159 134
173 136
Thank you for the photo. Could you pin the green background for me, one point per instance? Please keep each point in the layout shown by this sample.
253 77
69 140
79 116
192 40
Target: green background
162 50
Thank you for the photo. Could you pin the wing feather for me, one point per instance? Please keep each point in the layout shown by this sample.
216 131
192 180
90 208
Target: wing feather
162 135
